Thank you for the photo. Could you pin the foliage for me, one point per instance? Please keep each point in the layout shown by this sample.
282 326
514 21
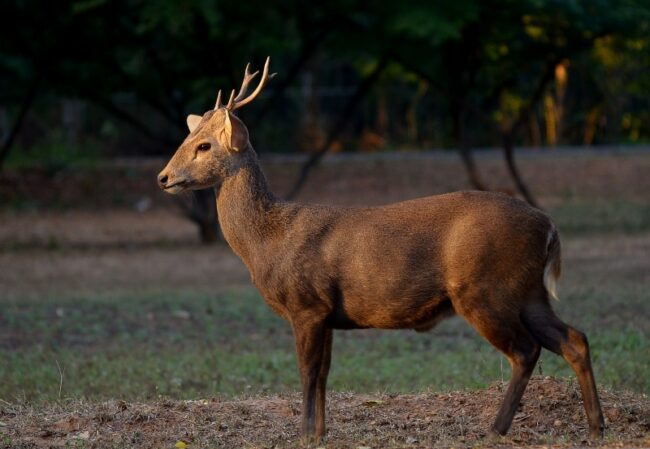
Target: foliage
150 63
57 153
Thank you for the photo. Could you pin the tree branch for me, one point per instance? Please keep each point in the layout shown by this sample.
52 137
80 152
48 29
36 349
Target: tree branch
508 132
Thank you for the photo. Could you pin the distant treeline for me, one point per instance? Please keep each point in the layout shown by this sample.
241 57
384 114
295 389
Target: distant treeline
120 76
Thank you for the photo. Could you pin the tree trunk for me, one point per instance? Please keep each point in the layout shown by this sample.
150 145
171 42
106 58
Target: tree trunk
203 212
508 131
412 112
208 232
508 152
591 125
206 208
466 157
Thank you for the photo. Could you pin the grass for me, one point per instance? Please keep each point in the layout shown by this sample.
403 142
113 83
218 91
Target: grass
162 339
117 338
56 154
83 322
188 345
585 216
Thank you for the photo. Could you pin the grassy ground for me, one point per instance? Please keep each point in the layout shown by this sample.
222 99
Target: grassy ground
118 305
182 321
90 323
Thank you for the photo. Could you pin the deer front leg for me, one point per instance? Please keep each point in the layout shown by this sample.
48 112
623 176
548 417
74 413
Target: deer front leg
313 347
322 384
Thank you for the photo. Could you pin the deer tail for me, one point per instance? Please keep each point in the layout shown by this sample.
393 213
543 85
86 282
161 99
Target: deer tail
553 266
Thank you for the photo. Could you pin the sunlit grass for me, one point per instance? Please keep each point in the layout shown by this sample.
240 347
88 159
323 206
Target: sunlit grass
189 345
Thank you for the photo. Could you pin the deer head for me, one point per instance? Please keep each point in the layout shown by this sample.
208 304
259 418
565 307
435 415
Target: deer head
217 143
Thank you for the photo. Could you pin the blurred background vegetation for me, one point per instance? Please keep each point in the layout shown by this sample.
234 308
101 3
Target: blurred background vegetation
87 79
117 78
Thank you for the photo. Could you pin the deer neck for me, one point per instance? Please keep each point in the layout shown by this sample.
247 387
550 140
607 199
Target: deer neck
244 205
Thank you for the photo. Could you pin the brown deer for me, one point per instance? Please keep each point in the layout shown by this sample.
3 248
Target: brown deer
489 258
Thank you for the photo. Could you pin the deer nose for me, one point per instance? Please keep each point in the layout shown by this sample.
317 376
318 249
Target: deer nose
162 179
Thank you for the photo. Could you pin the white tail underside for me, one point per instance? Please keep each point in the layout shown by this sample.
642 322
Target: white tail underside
550 281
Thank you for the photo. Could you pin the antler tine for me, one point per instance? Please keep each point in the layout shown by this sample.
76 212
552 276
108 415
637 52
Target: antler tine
218 104
248 77
240 101
242 91
231 101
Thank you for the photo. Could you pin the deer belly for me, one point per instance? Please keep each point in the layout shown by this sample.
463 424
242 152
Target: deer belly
403 313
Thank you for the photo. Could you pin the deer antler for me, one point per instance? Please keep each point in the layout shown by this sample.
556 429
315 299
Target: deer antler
218 104
236 102
248 77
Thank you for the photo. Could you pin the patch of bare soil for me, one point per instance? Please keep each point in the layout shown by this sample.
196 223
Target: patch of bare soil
551 414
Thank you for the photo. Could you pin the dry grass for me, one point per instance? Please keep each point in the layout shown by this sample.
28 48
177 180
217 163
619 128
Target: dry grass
66 256
551 414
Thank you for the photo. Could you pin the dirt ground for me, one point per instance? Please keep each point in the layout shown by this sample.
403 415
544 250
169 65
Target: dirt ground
111 246
551 414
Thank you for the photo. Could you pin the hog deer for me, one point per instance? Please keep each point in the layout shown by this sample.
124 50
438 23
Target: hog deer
487 257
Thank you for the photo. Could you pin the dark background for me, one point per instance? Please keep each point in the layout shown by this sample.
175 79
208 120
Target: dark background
93 78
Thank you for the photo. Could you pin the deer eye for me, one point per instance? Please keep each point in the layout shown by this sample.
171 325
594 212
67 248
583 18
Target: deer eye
203 147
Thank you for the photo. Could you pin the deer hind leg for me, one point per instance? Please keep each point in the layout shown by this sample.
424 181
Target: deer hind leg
313 348
572 345
519 346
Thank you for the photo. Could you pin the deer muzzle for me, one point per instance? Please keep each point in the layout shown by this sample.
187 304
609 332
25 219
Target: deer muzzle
171 184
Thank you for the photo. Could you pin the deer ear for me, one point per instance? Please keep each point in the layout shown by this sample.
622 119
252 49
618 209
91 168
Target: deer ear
233 136
193 121
225 135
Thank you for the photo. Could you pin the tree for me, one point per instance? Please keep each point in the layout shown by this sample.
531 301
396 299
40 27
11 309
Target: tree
487 66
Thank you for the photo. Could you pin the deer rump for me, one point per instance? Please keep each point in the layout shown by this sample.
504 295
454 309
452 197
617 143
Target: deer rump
408 264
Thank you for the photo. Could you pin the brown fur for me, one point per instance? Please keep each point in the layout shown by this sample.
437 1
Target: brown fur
405 265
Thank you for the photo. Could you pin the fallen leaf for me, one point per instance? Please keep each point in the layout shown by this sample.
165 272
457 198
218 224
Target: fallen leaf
68 425
180 444
182 314
83 435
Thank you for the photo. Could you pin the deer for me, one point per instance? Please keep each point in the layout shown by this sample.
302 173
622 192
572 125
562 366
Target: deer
490 258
